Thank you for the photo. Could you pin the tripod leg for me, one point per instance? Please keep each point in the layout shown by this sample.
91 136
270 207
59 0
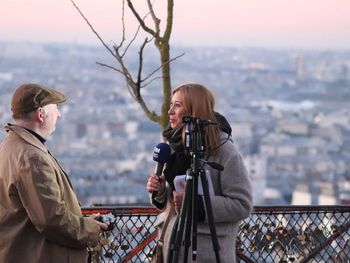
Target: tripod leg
208 206
187 236
191 221
182 220
194 217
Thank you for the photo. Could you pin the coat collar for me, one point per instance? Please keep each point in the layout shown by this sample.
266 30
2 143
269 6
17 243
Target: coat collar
25 135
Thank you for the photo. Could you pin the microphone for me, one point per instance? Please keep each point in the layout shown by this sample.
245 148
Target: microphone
161 155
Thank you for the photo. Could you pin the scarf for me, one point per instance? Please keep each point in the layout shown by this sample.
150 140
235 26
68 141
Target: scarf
179 160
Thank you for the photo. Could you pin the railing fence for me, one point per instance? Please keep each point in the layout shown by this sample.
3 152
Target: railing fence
271 234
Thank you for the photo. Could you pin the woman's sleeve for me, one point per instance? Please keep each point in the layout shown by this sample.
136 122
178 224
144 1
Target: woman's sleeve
159 199
235 202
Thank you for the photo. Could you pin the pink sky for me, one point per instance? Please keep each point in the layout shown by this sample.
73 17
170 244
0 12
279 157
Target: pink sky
263 23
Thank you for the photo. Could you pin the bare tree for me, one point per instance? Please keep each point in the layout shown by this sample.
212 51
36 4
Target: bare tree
161 42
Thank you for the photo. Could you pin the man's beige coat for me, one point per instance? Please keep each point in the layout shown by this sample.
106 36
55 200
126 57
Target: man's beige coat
40 216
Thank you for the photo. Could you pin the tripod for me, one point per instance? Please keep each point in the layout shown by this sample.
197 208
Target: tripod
187 223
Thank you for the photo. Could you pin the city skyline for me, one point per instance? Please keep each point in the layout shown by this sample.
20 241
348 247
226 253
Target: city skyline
241 23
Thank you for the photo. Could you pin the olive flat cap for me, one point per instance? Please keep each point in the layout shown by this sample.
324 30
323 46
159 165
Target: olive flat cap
30 96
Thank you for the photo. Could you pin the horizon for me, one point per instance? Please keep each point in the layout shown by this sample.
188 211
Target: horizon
272 24
98 45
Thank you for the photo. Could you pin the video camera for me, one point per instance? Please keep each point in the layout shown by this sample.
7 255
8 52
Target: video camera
194 133
198 121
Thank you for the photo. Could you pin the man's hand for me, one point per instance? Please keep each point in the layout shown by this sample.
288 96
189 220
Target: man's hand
97 217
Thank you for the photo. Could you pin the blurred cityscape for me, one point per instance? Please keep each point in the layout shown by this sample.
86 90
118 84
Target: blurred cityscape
289 110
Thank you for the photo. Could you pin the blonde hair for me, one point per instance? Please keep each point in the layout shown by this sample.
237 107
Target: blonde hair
199 102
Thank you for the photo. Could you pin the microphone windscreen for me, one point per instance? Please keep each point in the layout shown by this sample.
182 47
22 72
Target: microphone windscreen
161 153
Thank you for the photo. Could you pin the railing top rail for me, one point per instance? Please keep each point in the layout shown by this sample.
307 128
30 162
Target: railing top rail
139 209
276 209
301 208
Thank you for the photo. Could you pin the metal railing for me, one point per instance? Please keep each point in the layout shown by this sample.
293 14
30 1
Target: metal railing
271 234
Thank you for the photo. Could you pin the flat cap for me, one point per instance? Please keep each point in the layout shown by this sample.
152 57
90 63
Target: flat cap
30 96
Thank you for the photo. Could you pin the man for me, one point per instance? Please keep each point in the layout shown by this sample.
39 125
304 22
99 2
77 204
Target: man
40 216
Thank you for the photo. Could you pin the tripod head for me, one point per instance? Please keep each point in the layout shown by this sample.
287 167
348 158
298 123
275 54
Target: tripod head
195 139
194 133
197 121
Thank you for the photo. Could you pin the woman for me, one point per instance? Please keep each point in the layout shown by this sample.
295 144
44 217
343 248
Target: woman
232 198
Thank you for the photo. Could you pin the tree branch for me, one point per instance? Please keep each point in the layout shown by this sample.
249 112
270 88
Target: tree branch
155 19
93 29
167 62
140 20
169 23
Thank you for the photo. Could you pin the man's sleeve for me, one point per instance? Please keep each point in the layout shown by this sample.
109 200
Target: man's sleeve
44 200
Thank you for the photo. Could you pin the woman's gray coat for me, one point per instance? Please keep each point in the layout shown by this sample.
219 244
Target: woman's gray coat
231 204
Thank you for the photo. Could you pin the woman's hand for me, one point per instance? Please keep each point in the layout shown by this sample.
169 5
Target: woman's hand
155 183
177 199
